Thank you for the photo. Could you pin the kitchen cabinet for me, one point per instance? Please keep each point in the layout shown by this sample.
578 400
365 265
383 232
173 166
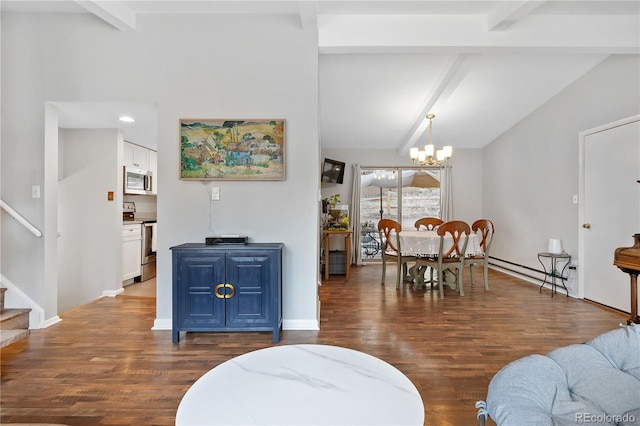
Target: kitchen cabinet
153 168
135 156
131 250
227 288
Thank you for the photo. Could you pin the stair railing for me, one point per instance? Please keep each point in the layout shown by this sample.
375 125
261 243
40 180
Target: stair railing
24 222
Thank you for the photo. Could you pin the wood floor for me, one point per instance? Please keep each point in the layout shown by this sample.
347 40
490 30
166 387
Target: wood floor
102 365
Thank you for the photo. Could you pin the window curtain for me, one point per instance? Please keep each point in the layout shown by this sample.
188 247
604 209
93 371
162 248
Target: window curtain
446 194
354 220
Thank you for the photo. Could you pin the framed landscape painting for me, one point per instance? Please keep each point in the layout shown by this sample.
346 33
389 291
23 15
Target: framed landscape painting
217 149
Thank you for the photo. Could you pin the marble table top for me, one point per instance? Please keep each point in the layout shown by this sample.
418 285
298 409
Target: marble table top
302 385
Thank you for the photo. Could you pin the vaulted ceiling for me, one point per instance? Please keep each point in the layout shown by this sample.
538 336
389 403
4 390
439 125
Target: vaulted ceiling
479 66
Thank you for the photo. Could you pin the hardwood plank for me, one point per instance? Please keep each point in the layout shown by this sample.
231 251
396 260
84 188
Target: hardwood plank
103 365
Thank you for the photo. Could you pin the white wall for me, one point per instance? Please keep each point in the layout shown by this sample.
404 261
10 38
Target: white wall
467 176
90 226
531 171
191 66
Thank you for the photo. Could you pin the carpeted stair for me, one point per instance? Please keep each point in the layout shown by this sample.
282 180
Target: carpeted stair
14 323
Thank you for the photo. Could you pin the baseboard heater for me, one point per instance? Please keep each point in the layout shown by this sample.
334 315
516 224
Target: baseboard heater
519 266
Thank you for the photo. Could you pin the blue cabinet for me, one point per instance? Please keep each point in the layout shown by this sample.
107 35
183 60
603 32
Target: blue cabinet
227 288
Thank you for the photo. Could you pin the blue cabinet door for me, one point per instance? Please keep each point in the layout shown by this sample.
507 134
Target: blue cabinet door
198 276
252 277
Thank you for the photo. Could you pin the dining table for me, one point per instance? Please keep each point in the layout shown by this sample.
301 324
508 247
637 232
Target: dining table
426 243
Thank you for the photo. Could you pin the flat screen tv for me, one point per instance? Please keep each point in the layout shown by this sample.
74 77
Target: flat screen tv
332 171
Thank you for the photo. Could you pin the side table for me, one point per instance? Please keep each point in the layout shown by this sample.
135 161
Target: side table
347 248
302 385
553 272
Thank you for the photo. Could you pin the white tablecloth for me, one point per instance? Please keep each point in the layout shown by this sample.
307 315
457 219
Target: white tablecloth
427 243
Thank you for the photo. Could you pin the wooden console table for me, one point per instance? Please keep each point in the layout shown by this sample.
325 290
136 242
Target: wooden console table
347 248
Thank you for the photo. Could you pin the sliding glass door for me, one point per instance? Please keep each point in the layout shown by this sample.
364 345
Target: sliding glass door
399 193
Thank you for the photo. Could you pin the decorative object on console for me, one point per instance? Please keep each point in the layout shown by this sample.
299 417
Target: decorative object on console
226 239
217 149
430 156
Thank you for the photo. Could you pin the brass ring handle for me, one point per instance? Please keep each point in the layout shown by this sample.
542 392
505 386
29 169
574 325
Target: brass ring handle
218 295
233 291
586 225
226 295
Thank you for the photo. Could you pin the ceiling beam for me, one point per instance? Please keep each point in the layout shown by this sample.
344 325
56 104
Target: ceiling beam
453 75
309 15
467 34
115 13
509 12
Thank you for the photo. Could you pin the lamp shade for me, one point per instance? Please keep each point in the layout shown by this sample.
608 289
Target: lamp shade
555 246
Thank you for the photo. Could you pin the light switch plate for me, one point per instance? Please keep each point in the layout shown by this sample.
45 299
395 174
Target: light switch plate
35 191
215 193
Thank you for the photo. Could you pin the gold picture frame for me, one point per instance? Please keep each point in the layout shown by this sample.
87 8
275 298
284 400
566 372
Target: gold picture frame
232 149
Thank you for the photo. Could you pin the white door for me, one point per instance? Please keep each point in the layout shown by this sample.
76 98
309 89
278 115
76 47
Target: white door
611 209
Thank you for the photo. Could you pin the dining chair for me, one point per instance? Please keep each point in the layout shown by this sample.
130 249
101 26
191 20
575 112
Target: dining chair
428 222
486 229
389 231
454 236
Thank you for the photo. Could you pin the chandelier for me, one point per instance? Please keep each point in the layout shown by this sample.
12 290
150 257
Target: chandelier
427 157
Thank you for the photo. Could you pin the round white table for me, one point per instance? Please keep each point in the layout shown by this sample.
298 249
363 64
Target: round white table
302 385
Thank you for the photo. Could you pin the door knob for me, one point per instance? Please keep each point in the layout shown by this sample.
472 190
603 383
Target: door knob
586 225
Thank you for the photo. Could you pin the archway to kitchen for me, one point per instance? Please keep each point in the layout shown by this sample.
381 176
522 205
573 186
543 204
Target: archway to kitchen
90 195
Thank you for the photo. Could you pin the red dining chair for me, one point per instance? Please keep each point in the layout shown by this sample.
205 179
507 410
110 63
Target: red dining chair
454 236
389 231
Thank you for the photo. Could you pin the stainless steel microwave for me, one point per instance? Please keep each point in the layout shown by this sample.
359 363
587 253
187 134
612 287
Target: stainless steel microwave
137 181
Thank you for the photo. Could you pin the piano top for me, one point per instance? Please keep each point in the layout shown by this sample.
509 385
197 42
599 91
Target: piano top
628 257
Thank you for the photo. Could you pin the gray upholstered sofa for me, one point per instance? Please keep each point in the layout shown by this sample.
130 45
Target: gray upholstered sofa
597 382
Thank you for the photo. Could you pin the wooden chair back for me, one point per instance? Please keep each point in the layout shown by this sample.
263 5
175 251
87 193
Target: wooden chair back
385 228
428 222
459 231
485 226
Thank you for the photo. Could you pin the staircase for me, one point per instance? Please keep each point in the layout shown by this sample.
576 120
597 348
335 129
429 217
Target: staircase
14 323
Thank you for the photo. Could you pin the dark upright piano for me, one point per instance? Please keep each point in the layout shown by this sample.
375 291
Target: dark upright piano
628 260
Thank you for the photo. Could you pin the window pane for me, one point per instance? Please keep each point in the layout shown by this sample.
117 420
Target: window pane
379 200
421 198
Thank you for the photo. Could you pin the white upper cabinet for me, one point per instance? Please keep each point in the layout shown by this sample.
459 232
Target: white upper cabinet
135 156
153 168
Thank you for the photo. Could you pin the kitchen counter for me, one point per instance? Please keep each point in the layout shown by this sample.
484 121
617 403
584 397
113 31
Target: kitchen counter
140 219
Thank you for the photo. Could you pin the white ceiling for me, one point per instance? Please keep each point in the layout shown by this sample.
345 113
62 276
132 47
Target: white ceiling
480 66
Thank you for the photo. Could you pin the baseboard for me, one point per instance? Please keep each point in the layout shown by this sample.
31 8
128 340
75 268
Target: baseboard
162 324
51 321
112 293
301 325
530 280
